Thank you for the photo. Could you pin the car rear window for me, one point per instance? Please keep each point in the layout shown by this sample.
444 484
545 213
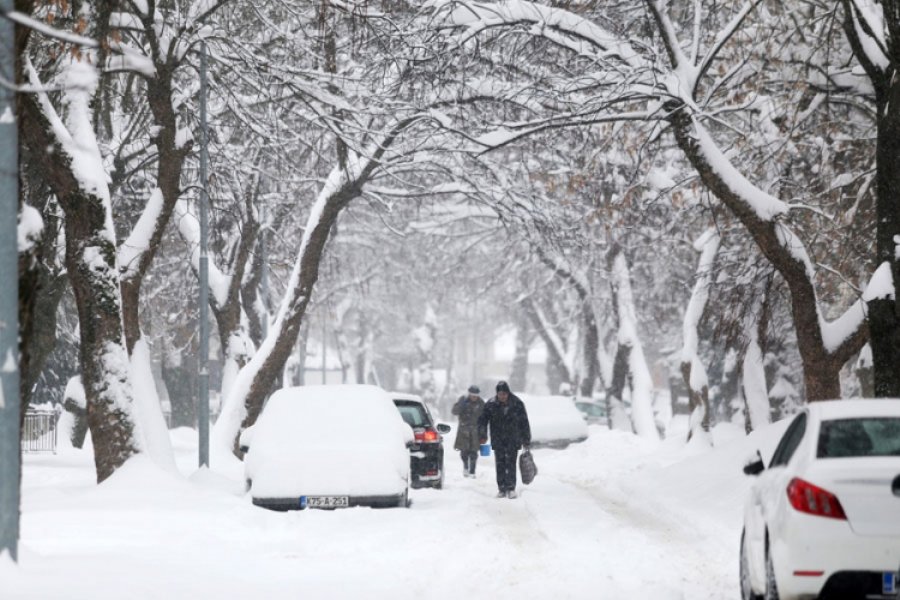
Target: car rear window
844 438
413 413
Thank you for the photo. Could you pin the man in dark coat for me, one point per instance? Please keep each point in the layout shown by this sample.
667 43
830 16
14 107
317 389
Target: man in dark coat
468 408
508 421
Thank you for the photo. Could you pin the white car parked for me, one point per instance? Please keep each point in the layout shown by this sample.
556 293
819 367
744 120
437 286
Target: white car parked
823 520
328 446
555 421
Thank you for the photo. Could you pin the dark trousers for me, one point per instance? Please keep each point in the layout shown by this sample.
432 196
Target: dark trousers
505 459
469 458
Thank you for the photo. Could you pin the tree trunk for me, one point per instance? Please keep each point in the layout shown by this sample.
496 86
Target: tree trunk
615 407
41 291
558 375
591 334
692 369
519 369
639 378
181 382
698 402
93 272
821 365
590 349
884 313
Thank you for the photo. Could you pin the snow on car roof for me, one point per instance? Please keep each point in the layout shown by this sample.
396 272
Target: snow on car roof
855 407
405 396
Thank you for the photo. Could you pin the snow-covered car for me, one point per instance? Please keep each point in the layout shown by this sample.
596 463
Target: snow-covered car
555 421
328 446
823 520
426 454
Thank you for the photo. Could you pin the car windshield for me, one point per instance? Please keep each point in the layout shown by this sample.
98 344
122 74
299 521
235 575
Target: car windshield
873 436
413 413
593 410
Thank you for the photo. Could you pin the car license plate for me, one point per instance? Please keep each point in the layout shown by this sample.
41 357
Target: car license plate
889 583
324 502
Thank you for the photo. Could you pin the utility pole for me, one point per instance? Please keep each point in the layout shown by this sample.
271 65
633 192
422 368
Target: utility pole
203 361
10 450
264 279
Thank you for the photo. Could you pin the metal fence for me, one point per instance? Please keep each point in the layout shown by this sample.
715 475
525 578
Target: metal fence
39 434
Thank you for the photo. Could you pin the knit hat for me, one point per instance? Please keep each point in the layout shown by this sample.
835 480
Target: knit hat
502 386
473 389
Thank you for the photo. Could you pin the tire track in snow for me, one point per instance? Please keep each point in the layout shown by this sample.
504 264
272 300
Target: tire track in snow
684 542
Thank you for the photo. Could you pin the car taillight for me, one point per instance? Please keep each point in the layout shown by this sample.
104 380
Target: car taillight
813 500
426 436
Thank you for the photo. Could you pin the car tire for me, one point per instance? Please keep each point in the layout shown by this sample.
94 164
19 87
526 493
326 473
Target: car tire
747 592
771 583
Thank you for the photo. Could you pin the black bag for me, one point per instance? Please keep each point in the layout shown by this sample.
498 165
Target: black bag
527 467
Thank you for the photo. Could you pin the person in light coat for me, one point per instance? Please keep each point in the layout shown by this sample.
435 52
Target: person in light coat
468 408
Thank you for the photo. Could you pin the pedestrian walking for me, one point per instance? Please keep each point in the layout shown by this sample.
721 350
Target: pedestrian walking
468 408
507 419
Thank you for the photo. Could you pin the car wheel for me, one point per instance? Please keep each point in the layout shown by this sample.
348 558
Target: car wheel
771 584
747 592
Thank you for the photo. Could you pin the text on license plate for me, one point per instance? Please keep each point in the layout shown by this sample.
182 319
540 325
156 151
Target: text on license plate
324 502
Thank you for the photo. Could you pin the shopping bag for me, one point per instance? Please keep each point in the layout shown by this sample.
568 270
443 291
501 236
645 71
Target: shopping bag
527 467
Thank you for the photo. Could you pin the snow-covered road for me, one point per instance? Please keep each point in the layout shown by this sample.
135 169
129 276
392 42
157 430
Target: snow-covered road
615 517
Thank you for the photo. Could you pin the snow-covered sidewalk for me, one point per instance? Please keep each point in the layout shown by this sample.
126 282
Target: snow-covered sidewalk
613 517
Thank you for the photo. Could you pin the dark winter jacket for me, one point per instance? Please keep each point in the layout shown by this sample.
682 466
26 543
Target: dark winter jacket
508 423
467 431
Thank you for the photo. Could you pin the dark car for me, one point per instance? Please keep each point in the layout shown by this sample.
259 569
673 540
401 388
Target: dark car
426 466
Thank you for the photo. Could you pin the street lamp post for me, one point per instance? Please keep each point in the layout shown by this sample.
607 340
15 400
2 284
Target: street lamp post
10 451
203 361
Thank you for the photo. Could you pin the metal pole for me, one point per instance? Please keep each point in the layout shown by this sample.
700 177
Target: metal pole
264 279
10 450
204 271
324 346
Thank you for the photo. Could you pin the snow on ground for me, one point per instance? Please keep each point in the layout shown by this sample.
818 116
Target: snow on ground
615 517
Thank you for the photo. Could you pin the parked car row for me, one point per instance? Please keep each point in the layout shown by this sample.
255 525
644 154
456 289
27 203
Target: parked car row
337 446
357 445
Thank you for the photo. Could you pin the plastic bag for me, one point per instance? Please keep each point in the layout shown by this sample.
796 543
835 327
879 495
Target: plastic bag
527 467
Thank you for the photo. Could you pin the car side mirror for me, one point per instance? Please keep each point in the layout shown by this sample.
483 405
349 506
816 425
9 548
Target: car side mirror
443 428
754 465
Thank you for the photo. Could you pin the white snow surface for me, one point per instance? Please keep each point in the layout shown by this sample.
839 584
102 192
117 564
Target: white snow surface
881 286
329 440
29 229
754 380
139 241
553 418
148 408
75 392
615 517
766 206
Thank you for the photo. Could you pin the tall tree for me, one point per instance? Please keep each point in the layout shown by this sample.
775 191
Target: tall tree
873 30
